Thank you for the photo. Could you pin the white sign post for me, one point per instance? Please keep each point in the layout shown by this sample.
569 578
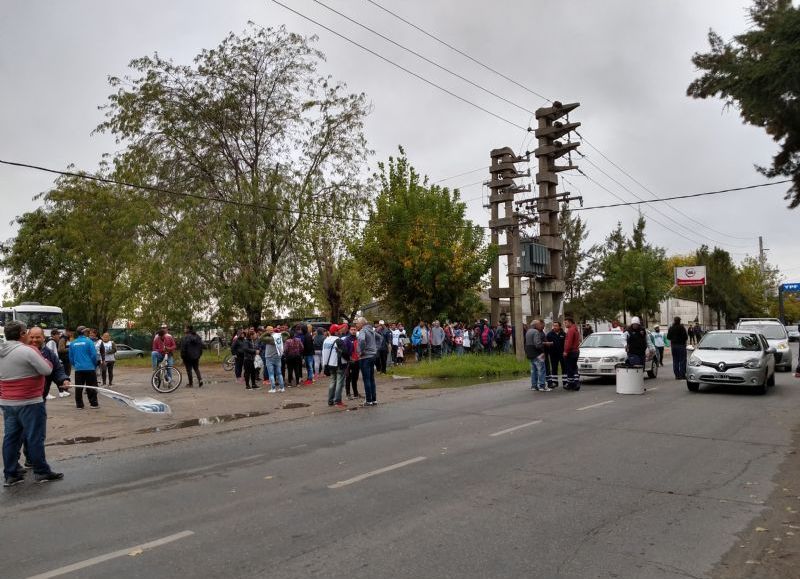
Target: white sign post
693 275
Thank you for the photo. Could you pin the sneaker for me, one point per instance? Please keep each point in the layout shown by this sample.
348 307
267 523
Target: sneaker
307 383
63 394
272 391
79 407
188 386
340 405
547 389
265 382
248 387
256 387
330 403
50 397
28 465
535 389
349 397
51 476
200 385
94 406
13 480
282 390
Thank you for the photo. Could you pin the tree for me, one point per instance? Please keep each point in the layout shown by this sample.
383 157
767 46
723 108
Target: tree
574 233
757 283
630 275
426 258
78 251
259 140
344 290
759 73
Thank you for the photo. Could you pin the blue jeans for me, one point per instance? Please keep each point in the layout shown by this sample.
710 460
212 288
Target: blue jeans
156 358
273 369
679 360
27 422
538 373
368 376
336 384
309 366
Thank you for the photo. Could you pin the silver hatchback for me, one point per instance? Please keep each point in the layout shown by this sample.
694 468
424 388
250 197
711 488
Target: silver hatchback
732 357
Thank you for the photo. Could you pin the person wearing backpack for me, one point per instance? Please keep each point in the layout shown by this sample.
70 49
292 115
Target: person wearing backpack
334 361
191 351
350 342
293 350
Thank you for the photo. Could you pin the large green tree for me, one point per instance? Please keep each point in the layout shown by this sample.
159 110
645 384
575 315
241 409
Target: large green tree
80 250
759 73
260 140
425 257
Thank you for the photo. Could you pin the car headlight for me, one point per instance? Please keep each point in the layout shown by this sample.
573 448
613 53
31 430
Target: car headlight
753 363
695 361
783 346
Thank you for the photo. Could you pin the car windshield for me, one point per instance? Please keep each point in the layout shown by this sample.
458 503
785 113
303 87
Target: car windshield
748 342
44 320
770 331
614 340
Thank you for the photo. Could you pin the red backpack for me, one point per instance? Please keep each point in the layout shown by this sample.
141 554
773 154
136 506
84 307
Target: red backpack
293 348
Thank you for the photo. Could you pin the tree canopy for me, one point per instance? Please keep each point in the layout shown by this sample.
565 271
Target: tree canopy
759 73
425 257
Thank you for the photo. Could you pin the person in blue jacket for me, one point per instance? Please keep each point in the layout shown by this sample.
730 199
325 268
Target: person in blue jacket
83 358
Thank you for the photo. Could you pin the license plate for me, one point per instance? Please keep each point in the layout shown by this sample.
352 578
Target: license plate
587 367
722 376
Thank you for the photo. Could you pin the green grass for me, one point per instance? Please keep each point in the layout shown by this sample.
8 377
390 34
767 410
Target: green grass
208 359
468 366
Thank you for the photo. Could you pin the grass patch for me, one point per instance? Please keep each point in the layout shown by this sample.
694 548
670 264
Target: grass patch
208 359
468 366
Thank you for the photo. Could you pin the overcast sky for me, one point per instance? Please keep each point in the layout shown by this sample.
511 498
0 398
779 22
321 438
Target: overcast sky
626 62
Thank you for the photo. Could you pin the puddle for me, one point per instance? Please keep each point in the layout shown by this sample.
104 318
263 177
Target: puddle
200 422
290 405
81 440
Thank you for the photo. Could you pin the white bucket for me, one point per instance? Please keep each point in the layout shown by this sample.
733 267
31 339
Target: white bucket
630 380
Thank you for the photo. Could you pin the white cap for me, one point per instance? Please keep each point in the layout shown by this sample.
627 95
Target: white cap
635 320
381 322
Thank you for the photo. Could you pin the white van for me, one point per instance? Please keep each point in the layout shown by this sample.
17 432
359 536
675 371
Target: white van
34 314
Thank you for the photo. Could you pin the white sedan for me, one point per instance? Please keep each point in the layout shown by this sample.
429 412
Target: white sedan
125 352
602 351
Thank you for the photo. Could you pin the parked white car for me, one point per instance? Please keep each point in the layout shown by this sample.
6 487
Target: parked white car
602 351
125 352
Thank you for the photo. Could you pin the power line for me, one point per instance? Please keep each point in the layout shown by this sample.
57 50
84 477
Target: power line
632 178
462 53
401 67
678 223
426 59
461 174
687 196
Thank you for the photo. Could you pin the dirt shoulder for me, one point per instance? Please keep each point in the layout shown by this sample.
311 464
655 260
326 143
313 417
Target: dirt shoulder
220 405
770 546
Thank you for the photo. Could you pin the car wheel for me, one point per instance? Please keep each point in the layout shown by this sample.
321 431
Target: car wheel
140 355
761 390
771 380
653 371
693 386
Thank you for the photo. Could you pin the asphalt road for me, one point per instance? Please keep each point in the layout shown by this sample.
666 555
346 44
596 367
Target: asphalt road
489 481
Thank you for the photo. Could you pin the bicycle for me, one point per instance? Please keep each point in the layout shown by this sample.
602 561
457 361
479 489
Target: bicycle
166 378
229 362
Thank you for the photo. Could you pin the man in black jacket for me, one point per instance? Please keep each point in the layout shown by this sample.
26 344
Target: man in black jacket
678 336
636 343
191 351
555 354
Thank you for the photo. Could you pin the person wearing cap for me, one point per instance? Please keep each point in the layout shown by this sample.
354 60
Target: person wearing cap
334 361
572 348
659 343
272 345
636 343
163 347
83 358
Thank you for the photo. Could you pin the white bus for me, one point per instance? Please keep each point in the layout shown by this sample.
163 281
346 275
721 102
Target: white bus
34 314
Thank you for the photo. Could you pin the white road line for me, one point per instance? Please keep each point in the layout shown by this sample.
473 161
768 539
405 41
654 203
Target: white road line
651 389
513 428
114 555
355 479
596 405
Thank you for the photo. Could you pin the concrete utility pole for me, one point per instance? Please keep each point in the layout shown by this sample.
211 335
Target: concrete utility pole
503 171
551 286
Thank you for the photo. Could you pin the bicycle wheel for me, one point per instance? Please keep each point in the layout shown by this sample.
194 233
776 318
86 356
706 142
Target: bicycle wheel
228 363
166 380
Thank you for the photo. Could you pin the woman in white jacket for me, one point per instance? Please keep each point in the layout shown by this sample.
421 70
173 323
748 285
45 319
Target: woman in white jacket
106 348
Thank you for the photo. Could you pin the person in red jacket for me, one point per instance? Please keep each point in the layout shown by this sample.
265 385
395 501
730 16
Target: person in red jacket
572 344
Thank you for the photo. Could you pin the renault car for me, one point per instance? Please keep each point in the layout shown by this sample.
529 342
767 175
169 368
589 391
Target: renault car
740 357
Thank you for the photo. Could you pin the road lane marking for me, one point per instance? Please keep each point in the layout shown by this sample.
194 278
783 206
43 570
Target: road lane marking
359 478
116 554
596 405
651 389
513 428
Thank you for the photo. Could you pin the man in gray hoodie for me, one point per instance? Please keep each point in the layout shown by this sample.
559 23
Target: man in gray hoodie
367 349
22 375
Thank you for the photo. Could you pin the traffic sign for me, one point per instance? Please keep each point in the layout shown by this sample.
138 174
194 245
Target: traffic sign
790 287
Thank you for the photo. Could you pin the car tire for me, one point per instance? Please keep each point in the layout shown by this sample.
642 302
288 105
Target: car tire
771 380
140 355
653 371
761 390
693 386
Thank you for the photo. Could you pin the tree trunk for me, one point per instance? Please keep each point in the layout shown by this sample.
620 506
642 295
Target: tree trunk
253 315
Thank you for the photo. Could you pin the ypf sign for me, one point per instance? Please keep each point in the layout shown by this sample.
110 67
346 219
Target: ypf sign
692 275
